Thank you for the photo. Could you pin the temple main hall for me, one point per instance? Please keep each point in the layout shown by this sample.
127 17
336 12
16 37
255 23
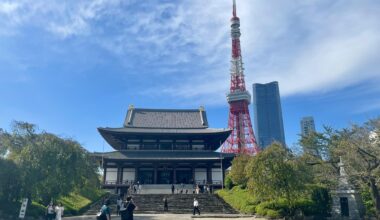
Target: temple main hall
164 146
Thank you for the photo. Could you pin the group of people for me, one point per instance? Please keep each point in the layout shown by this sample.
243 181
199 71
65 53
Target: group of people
203 189
54 212
134 187
197 189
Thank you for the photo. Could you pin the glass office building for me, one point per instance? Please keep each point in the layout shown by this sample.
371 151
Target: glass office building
267 114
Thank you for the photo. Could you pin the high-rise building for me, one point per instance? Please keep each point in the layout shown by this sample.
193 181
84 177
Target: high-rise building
267 111
307 126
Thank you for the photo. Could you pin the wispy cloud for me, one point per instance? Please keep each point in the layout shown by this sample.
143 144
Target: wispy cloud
308 46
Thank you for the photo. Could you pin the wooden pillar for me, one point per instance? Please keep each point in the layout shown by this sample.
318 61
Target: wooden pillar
155 167
174 173
137 172
105 172
209 175
193 171
121 175
118 176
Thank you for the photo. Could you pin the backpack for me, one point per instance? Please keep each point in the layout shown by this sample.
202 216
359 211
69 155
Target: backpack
101 215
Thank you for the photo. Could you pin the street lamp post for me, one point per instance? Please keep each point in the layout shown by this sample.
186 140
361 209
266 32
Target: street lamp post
221 166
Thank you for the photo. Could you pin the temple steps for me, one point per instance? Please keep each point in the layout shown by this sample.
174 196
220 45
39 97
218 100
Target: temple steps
177 203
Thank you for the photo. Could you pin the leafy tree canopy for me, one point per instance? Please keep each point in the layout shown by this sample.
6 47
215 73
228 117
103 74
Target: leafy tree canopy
50 166
275 173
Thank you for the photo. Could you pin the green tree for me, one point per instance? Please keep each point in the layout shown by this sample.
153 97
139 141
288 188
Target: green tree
275 173
360 148
237 172
50 166
10 181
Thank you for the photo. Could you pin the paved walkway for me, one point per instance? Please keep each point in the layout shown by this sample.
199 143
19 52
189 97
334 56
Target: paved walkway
172 217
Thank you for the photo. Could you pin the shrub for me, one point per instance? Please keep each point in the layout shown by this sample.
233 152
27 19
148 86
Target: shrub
307 206
368 202
273 214
239 199
261 210
281 206
228 182
322 200
35 210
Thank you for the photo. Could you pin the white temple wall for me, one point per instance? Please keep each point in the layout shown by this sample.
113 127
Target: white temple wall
128 174
200 174
111 174
216 174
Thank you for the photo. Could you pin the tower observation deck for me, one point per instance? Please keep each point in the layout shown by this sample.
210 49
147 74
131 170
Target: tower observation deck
242 139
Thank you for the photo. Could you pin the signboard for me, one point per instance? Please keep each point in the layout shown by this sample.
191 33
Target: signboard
23 207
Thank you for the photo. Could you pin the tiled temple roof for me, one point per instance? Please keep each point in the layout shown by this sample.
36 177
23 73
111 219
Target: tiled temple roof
166 118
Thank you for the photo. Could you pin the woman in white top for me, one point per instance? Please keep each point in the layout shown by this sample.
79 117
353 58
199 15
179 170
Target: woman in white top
59 211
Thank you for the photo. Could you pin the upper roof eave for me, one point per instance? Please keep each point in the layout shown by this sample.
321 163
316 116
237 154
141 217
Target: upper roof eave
130 130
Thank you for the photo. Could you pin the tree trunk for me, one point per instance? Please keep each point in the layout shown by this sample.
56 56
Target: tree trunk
375 195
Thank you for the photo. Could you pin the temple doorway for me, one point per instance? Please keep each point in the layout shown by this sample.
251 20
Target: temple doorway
344 210
165 176
184 175
146 176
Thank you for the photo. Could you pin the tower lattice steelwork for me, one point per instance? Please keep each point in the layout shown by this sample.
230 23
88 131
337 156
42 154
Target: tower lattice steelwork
242 139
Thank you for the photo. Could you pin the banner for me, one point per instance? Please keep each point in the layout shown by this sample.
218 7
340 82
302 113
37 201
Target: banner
23 207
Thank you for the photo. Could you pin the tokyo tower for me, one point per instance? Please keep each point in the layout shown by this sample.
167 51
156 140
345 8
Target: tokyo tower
242 139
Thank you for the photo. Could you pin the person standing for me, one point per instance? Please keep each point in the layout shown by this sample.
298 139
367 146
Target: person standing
118 205
196 207
197 189
59 211
50 212
126 210
166 208
140 188
173 188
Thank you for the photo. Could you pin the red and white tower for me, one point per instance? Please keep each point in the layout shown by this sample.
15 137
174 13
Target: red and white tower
242 139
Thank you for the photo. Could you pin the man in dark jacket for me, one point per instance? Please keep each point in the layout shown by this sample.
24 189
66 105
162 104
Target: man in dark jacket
126 210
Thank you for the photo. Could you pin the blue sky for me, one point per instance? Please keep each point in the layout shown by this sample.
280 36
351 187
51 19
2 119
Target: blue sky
73 66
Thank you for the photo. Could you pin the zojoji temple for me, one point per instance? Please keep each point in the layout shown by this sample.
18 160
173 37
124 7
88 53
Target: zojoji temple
164 146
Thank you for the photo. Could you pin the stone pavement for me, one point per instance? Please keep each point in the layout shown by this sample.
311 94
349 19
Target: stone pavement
173 217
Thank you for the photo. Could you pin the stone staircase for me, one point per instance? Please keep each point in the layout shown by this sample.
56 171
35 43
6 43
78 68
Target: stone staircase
178 204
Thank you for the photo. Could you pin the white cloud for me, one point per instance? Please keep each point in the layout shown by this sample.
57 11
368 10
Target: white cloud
308 46
8 7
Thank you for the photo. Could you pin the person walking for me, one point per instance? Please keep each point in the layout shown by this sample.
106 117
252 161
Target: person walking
126 210
50 211
105 211
166 208
59 211
173 188
196 207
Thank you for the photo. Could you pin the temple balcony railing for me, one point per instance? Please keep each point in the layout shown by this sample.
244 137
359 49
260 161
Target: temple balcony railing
129 182
118 183
204 182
